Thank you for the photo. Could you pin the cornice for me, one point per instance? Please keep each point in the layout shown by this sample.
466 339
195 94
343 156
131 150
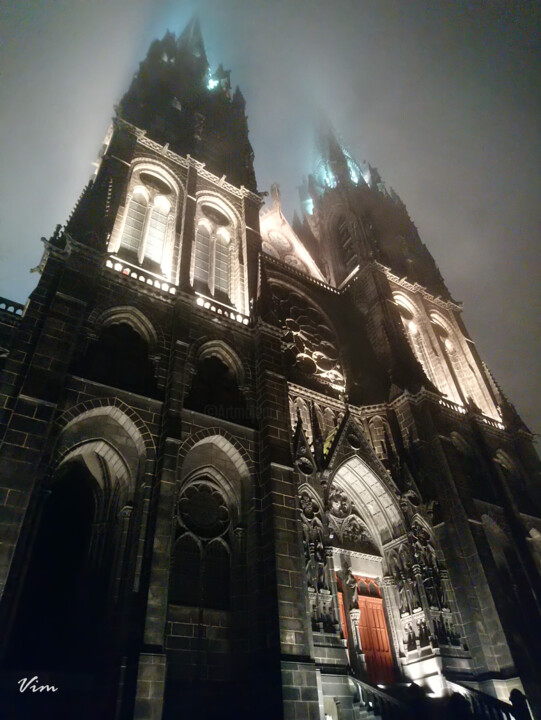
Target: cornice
187 162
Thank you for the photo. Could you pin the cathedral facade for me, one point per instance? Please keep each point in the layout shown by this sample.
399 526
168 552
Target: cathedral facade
252 468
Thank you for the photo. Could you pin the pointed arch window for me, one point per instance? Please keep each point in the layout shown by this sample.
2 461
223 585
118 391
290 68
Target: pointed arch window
213 253
221 262
202 253
135 220
349 255
186 565
147 228
157 227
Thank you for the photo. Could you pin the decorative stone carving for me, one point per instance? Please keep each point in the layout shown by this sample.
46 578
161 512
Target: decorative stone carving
202 509
311 345
318 558
354 530
340 505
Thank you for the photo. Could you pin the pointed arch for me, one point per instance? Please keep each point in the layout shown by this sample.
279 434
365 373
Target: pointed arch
223 351
133 317
376 503
145 225
217 266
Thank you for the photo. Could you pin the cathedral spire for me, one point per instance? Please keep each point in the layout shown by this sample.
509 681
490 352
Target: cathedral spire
191 39
176 99
335 165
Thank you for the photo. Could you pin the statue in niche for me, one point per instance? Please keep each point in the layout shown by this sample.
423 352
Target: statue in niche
307 505
311 573
351 583
411 640
424 634
425 555
430 590
440 592
403 599
320 557
414 589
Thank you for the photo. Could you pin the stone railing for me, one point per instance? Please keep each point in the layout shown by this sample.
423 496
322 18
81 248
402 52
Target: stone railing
373 701
370 701
11 306
485 706
221 309
141 276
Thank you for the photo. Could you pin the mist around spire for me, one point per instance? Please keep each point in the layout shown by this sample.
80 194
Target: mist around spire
177 99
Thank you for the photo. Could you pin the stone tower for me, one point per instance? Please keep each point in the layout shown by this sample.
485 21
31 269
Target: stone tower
253 469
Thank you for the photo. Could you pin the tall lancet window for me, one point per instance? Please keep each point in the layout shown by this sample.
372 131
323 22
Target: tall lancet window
212 270
145 233
221 262
135 220
202 254
157 227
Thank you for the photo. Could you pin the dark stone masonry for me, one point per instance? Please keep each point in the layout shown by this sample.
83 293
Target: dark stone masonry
252 469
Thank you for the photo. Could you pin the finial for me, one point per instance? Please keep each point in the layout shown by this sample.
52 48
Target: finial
275 195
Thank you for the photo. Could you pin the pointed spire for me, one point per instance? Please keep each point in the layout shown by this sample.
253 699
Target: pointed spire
192 40
335 164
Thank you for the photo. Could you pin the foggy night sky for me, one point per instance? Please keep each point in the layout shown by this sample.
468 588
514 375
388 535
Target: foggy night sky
444 98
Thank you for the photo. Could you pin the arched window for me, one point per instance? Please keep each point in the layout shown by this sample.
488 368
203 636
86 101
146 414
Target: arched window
135 220
221 263
215 392
458 367
213 253
156 228
147 228
201 568
119 357
347 247
216 590
424 350
380 434
202 254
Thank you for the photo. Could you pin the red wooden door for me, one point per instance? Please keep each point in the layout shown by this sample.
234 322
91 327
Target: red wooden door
375 640
372 630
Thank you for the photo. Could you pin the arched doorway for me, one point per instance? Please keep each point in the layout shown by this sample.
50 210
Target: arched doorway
63 630
363 518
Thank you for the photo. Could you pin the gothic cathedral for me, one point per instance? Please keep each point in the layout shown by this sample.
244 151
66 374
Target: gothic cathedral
254 469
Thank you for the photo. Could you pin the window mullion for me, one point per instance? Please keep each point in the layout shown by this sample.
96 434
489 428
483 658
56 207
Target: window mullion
144 234
212 264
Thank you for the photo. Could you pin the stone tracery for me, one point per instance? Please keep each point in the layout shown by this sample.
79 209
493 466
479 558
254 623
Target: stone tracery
311 344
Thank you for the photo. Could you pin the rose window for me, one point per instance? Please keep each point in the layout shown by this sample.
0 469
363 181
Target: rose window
202 509
310 343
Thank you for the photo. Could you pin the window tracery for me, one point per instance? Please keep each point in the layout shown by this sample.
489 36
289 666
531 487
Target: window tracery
149 217
217 267
311 344
201 563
